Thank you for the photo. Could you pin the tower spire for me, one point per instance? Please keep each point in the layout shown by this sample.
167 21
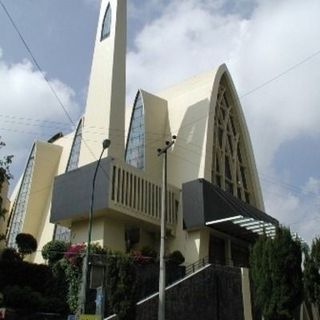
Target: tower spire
105 107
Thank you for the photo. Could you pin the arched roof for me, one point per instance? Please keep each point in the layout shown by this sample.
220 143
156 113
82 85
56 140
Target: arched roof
191 108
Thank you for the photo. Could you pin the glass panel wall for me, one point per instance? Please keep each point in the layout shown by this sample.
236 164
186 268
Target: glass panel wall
20 205
63 233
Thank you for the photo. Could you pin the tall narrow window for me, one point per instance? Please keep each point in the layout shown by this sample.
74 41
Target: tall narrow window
231 172
106 24
135 143
60 232
20 206
75 149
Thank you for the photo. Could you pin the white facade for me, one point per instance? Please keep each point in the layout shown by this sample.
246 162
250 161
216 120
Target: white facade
211 145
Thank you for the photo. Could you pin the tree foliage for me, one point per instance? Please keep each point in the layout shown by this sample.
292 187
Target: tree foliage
121 284
5 175
5 166
176 257
26 243
277 275
53 251
311 273
30 287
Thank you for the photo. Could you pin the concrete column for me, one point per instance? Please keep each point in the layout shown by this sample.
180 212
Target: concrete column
246 294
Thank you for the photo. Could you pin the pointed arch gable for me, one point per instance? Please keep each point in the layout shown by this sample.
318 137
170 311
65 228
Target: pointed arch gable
230 161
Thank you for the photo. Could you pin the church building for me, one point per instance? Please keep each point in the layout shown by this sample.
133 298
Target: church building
214 203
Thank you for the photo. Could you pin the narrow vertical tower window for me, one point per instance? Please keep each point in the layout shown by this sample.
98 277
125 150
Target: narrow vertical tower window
106 24
63 233
135 143
21 202
75 149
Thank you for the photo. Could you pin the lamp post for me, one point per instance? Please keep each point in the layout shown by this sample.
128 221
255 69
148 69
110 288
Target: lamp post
162 266
105 144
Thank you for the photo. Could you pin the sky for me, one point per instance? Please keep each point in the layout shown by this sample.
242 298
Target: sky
271 48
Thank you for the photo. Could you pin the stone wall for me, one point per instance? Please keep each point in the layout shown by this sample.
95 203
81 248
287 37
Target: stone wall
215 293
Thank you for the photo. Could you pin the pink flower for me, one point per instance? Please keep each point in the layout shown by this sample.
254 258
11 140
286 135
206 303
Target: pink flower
74 253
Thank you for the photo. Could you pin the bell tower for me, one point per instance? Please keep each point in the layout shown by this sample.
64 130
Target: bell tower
105 107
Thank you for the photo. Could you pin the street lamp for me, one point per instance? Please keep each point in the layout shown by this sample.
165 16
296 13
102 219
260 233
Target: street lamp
162 265
105 144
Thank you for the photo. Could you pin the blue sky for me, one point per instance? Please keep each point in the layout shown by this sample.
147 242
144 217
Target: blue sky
167 42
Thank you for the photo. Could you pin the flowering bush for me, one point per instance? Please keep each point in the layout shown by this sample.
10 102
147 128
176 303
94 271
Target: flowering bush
75 253
139 258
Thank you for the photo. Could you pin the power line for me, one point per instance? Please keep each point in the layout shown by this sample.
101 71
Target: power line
10 116
47 81
261 85
263 177
36 62
280 74
68 115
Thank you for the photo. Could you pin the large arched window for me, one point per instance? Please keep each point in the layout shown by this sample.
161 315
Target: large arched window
135 143
229 166
106 24
20 206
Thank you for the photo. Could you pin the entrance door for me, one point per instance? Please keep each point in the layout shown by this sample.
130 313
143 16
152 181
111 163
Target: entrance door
217 251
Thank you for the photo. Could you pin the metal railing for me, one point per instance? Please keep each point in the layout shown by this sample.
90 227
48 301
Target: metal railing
193 267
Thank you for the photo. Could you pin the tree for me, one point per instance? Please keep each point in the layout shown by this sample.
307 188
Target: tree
5 166
26 243
311 273
5 175
54 251
277 275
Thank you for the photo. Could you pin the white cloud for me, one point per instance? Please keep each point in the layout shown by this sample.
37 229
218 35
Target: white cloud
296 208
186 39
279 35
29 108
189 37
257 43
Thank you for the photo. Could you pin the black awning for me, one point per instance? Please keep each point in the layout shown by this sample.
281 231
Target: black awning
205 204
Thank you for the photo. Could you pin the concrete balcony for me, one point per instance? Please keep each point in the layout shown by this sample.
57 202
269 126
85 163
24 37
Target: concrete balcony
121 192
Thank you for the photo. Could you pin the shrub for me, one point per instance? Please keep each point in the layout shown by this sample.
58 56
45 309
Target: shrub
27 299
121 286
10 255
53 251
75 253
26 243
22 298
176 257
72 265
139 258
148 251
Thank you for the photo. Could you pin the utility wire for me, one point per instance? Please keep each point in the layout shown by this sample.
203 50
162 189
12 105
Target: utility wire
47 81
280 74
71 120
152 143
36 62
